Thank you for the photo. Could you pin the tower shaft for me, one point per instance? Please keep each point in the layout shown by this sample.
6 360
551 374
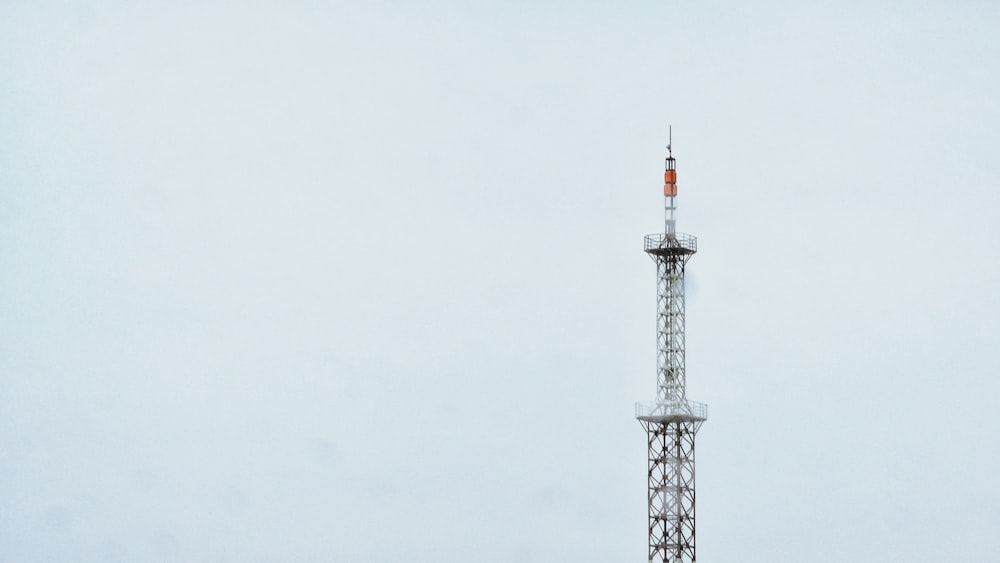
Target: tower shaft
670 380
671 490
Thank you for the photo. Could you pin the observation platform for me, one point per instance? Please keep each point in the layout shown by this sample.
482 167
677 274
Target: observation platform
669 412
671 244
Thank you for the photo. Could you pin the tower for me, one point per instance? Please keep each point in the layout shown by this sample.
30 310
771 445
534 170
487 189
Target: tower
671 421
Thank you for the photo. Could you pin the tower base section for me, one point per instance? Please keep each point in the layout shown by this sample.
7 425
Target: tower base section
671 489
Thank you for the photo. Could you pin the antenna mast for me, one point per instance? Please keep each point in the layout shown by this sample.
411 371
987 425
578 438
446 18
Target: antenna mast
670 186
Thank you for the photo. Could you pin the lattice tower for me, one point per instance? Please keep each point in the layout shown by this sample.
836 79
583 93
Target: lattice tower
672 421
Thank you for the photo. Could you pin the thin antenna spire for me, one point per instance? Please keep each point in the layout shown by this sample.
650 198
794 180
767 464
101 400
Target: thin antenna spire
670 185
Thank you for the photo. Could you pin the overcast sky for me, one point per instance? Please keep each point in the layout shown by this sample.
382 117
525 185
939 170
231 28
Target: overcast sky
364 282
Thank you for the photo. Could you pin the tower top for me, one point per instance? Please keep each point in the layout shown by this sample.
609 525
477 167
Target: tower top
670 242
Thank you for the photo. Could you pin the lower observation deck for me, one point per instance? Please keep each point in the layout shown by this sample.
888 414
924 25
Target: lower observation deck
669 412
671 244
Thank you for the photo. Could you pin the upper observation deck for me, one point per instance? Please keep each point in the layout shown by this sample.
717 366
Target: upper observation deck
671 244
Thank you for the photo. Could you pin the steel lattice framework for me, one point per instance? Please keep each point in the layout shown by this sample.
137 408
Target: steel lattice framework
672 421
671 489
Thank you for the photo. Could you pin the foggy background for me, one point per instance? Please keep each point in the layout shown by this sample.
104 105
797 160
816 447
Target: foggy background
344 282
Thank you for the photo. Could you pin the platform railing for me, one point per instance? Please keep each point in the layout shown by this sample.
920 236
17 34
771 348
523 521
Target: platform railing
663 241
692 408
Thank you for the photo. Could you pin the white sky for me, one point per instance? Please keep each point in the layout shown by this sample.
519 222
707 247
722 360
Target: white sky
365 281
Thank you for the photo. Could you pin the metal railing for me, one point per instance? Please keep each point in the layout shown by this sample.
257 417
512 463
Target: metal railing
666 241
691 408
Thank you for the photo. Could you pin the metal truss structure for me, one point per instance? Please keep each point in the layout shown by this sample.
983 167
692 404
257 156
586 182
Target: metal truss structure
672 421
671 490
